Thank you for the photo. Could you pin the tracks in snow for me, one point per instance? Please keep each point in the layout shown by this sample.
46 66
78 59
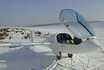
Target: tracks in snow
79 62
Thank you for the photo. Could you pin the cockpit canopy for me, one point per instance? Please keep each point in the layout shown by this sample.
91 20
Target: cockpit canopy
76 24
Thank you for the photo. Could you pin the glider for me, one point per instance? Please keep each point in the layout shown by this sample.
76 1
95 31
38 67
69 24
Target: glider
75 35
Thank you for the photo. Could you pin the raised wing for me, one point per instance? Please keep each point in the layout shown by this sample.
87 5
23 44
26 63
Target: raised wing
76 24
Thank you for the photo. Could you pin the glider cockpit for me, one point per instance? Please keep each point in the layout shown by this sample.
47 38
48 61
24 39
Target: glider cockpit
65 38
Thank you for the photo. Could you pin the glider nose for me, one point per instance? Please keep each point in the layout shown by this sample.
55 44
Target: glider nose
95 43
92 45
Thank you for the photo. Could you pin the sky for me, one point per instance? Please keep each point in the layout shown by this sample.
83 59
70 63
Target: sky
31 12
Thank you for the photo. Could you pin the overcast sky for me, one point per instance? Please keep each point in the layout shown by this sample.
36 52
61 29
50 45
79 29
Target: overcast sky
30 12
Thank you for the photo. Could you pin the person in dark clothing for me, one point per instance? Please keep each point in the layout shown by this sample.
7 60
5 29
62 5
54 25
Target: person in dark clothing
64 38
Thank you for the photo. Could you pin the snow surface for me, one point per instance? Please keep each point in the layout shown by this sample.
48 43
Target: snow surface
42 58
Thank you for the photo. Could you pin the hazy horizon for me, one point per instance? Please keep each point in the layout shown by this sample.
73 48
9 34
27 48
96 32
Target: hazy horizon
30 12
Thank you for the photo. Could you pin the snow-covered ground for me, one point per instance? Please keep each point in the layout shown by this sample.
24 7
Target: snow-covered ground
42 58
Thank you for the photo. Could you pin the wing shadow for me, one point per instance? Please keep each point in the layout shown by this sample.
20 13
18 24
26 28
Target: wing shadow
25 59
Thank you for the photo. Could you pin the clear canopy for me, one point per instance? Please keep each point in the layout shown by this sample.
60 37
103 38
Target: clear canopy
76 24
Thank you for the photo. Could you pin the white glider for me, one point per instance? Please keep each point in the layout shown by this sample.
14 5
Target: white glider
74 36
